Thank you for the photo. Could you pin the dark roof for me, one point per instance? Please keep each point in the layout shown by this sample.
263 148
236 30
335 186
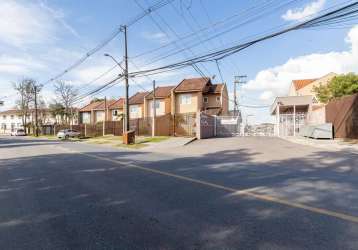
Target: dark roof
118 104
137 98
161 92
193 84
214 88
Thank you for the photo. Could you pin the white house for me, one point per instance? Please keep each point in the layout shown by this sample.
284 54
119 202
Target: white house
11 119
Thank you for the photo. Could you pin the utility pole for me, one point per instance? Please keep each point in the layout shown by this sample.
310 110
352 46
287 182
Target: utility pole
105 116
154 110
36 120
124 29
239 79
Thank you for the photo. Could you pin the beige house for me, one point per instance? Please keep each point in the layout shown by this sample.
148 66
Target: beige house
94 112
136 105
199 94
300 107
162 101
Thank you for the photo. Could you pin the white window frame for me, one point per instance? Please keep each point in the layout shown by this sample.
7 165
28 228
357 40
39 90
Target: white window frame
157 104
185 99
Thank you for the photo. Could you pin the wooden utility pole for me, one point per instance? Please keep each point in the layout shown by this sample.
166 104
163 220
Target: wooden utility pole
105 116
36 115
154 110
238 80
124 28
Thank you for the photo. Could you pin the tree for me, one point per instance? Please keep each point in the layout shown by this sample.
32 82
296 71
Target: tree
57 111
25 89
339 86
66 94
96 99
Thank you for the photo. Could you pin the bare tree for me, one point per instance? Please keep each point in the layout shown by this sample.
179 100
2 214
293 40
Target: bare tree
66 94
25 90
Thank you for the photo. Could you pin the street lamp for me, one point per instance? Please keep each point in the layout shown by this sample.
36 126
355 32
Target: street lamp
125 73
108 55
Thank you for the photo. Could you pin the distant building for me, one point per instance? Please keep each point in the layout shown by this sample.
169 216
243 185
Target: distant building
12 119
300 107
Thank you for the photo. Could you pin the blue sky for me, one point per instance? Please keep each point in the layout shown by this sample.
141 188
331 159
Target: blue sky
41 38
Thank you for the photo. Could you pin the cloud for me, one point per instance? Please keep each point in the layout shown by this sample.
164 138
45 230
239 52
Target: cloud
10 65
275 81
23 23
301 13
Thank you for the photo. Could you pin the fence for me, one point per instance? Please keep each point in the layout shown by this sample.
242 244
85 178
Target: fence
185 124
166 125
343 114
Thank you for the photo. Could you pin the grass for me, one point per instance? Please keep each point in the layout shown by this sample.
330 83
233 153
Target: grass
49 137
114 141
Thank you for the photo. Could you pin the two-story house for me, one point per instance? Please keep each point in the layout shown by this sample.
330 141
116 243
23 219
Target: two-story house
12 119
136 105
200 94
300 106
99 110
162 101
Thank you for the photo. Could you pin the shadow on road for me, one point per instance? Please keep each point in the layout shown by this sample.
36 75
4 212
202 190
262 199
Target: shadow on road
72 201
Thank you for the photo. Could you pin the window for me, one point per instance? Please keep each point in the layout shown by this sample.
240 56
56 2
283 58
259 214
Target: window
133 109
12 117
115 112
4 117
157 103
206 99
218 99
185 99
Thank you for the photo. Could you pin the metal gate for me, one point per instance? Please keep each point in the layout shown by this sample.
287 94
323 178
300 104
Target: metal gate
287 126
228 126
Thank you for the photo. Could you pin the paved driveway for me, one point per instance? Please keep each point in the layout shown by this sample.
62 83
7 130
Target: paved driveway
232 193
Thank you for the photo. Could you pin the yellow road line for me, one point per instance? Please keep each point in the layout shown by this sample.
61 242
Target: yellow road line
245 192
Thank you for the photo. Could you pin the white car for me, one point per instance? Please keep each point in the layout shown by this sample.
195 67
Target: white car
67 133
18 132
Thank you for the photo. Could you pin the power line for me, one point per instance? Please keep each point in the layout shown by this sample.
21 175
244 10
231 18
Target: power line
336 14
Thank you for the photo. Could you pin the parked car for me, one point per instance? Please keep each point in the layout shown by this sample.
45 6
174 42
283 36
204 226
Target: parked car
18 132
67 133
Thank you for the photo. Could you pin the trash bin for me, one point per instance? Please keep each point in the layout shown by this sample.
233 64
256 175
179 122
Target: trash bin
129 137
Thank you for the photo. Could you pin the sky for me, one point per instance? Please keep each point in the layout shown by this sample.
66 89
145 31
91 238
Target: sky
39 39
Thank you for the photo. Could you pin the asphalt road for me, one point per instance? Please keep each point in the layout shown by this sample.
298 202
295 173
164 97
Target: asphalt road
233 193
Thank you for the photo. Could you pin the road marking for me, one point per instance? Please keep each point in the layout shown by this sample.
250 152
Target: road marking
245 192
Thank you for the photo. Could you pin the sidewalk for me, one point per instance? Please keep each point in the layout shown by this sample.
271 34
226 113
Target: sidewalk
332 145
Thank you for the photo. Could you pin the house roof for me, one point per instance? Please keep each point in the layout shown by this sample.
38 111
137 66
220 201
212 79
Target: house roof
161 92
299 84
214 88
137 98
10 112
102 104
118 104
192 84
90 106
